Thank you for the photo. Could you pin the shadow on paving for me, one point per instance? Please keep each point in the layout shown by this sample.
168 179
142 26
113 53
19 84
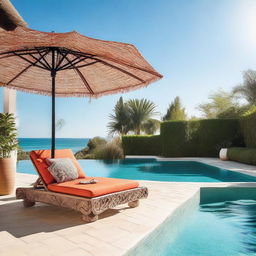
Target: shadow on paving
20 221
7 199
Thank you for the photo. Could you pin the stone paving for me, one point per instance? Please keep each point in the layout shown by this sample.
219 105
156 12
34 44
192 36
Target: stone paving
48 230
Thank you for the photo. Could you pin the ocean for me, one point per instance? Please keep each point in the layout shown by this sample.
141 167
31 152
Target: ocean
28 144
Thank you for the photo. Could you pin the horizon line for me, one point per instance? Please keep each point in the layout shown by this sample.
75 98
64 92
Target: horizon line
51 138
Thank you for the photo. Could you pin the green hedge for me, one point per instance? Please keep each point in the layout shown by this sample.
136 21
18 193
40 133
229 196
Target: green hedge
202 138
141 145
248 127
243 155
173 137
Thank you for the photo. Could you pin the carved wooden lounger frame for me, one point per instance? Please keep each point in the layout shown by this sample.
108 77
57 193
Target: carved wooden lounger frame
89 207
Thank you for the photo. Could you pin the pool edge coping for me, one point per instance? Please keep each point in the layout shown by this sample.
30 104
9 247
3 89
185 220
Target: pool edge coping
170 216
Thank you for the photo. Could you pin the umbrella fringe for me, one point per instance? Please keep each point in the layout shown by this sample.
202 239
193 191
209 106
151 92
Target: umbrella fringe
109 92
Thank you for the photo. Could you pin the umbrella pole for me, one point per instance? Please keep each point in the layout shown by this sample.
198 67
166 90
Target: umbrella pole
53 75
53 117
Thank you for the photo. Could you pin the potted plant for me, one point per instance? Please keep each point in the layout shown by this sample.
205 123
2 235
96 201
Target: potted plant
8 144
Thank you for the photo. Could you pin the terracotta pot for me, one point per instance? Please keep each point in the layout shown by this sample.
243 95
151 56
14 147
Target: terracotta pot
7 175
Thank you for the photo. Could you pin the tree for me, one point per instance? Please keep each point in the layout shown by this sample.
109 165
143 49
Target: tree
247 89
220 101
175 111
140 111
133 116
151 126
59 124
120 119
194 118
234 112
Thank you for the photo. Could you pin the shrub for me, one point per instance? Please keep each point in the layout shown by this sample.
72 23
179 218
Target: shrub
99 148
248 125
95 142
83 154
142 145
243 155
22 155
87 152
109 151
200 137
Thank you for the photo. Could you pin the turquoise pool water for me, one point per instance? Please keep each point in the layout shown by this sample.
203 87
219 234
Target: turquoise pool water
219 229
151 169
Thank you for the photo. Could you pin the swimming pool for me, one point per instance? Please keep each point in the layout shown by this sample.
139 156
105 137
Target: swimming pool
152 169
208 224
219 229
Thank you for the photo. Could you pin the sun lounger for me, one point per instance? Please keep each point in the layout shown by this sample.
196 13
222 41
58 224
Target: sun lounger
89 199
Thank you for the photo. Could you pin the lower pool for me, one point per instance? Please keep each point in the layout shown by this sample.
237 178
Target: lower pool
151 169
219 229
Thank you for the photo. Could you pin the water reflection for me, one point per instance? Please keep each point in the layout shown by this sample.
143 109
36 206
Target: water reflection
242 215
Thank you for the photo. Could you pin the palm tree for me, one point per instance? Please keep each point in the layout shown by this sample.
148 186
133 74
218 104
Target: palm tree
139 112
120 119
248 88
151 126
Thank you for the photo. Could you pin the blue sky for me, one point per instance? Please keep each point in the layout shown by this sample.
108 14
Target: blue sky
198 45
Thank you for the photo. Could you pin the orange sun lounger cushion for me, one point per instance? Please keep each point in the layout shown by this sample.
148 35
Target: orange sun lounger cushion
38 158
102 187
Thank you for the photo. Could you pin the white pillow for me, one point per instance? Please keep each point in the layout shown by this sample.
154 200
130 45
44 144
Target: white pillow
62 169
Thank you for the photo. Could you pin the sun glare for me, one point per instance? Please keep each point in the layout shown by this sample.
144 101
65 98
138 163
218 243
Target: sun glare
245 23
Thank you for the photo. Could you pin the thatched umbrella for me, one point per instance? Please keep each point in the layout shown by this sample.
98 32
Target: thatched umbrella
70 64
